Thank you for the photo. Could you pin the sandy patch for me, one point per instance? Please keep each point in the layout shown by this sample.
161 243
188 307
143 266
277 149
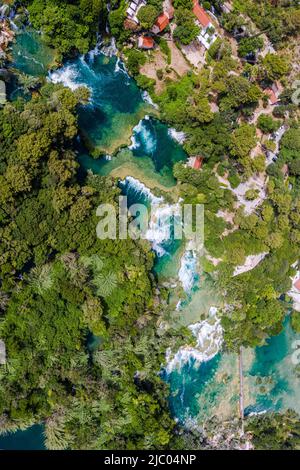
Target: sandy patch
195 54
251 262
256 182
158 61
178 61
129 169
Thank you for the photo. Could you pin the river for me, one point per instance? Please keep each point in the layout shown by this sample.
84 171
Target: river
205 382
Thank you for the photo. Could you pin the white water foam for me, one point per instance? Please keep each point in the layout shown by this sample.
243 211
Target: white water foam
143 136
160 225
140 187
120 68
209 335
188 270
111 49
67 76
178 136
161 217
147 98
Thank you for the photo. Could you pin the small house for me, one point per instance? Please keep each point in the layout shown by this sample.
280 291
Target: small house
161 23
195 162
145 42
208 35
133 9
273 99
201 15
297 284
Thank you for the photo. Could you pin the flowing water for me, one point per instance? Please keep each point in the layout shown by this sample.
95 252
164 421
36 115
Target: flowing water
116 103
203 382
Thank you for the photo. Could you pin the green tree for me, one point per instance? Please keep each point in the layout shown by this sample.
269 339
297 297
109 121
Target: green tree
147 15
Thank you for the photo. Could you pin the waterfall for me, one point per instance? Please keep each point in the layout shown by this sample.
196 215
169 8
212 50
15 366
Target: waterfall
209 339
142 136
161 219
178 136
187 274
67 76
147 98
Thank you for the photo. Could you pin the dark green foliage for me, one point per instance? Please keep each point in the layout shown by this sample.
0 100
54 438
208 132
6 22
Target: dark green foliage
272 431
135 59
147 15
59 282
250 45
68 25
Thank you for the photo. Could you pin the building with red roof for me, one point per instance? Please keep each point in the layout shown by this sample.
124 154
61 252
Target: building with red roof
145 42
198 162
195 162
297 284
201 15
272 95
161 23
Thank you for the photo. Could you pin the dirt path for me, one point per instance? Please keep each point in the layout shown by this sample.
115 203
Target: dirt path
158 61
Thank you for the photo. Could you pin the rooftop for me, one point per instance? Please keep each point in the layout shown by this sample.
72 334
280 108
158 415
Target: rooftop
297 284
272 96
162 21
201 14
146 42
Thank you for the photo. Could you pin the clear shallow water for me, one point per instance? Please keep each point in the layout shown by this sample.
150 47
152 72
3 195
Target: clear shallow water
30 55
270 383
272 380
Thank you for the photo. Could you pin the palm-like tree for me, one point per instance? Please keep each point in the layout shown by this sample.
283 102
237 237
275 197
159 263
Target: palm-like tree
41 278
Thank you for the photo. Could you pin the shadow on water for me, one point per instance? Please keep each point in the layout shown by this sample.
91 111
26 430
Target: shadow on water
31 439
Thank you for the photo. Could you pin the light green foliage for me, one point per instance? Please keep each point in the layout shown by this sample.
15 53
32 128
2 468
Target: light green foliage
147 15
274 66
250 45
280 21
60 283
243 139
186 30
266 124
296 321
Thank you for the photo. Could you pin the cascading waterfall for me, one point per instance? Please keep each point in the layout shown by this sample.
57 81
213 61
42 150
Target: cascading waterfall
188 272
147 98
178 136
143 136
162 215
66 76
209 339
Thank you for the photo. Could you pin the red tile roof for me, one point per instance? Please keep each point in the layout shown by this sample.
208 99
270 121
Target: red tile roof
146 42
198 163
272 97
201 15
162 22
297 284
